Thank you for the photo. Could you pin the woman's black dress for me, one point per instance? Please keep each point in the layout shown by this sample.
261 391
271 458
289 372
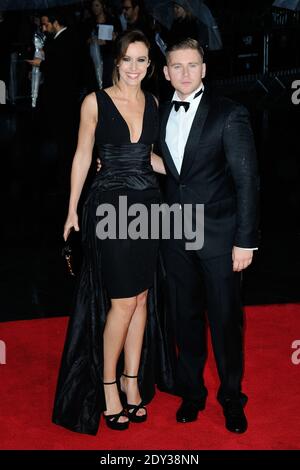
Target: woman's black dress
114 269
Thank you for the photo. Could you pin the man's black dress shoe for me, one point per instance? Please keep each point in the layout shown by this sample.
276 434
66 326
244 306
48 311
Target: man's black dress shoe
235 419
188 410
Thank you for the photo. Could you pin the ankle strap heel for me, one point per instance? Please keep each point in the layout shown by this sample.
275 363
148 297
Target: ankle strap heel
112 420
132 410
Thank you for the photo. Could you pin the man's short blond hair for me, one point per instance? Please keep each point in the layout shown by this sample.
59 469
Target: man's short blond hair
188 43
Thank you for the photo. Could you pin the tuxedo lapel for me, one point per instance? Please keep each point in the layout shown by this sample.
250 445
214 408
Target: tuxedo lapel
165 149
191 148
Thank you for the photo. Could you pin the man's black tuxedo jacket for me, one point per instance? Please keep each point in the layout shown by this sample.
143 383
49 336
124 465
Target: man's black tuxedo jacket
61 71
219 170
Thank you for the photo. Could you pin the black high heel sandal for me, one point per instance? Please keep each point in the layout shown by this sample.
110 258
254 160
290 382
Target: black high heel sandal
133 409
112 420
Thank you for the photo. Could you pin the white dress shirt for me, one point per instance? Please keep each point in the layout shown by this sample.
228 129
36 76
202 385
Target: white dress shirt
179 127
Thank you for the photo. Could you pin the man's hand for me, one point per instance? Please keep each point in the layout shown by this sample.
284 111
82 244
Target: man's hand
157 164
241 258
98 164
36 62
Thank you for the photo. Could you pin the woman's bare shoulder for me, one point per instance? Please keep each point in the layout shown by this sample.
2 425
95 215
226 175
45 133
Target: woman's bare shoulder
89 105
90 100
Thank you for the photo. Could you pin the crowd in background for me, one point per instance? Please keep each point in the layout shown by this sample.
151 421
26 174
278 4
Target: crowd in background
76 61
16 34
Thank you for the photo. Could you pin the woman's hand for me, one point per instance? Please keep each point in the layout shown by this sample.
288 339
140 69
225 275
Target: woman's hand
98 164
71 222
95 40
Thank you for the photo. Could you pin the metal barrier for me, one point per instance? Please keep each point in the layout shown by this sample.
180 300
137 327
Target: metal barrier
2 92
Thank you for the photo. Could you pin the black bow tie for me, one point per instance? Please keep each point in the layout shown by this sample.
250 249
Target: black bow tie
177 105
185 104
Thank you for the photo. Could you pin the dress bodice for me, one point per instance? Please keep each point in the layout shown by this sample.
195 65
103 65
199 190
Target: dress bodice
125 165
113 129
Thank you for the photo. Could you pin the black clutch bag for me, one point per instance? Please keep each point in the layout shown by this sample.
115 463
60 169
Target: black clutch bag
71 252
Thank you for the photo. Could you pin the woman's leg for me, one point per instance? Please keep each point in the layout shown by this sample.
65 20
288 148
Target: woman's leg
132 350
116 328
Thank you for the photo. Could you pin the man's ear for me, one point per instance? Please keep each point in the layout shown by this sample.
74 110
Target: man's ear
55 26
203 70
166 72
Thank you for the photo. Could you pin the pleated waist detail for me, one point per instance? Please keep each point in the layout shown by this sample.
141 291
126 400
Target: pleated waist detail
126 166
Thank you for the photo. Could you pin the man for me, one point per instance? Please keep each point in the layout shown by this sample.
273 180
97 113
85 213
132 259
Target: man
6 35
131 10
135 16
209 154
61 65
58 100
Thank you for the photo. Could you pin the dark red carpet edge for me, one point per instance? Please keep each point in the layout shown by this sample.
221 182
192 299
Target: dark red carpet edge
272 382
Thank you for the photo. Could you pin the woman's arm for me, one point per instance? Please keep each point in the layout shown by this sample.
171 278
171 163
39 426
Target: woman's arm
157 164
82 158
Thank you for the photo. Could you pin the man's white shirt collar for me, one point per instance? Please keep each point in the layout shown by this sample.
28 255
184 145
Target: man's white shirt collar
59 32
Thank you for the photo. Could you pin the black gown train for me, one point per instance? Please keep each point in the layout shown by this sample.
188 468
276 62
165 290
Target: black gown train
114 269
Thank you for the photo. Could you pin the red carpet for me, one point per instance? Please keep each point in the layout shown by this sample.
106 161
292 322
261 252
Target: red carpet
272 383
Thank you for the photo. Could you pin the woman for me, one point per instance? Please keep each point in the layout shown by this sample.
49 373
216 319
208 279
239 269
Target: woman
116 283
101 51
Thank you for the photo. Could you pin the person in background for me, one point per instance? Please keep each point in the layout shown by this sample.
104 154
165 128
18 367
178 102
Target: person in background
58 101
105 52
185 25
136 17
